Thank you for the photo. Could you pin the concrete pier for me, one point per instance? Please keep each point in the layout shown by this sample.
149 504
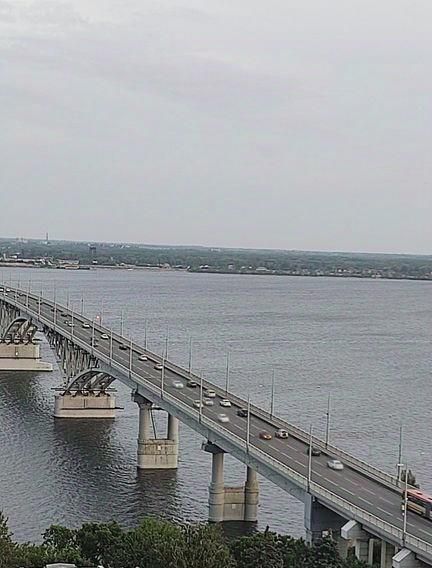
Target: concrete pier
155 453
321 522
22 357
238 503
387 553
88 405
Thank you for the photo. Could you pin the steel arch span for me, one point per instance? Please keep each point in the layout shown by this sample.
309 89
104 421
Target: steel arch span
20 329
91 381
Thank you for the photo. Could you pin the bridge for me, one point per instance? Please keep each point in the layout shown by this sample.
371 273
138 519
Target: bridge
360 507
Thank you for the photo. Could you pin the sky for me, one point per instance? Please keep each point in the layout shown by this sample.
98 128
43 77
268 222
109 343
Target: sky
240 123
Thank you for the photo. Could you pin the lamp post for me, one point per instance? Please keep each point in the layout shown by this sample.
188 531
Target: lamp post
405 506
145 335
310 459
39 302
130 356
121 323
82 305
248 424
166 343
111 345
163 377
327 436
227 372
201 397
272 393
399 463
190 355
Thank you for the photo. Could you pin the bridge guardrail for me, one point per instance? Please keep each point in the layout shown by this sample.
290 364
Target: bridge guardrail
348 508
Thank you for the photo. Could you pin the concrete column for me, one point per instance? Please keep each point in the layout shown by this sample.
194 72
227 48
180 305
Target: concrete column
387 553
144 422
251 498
361 549
155 453
371 551
320 521
216 489
173 428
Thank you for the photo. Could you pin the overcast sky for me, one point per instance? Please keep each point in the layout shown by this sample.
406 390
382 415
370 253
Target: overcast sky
251 123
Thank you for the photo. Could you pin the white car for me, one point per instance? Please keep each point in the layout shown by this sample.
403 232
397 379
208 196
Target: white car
223 418
197 404
143 358
208 402
86 326
178 385
335 464
282 434
158 366
225 402
210 393
104 336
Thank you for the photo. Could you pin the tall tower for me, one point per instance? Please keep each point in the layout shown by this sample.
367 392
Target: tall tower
47 239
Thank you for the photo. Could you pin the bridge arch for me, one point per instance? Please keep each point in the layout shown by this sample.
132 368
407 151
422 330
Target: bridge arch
91 381
20 329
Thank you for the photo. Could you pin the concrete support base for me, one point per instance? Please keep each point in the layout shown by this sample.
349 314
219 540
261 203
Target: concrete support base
406 559
352 531
22 357
231 503
84 406
155 453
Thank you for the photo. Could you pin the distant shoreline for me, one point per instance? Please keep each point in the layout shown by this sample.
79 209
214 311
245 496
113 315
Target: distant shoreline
221 272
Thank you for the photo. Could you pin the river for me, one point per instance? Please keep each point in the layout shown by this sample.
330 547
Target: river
364 342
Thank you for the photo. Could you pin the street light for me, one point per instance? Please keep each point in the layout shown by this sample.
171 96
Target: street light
163 376
227 372
399 463
166 343
190 355
272 393
310 459
201 397
405 505
248 424
327 437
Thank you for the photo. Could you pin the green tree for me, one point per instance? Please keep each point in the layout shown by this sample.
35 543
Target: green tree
7 546
260 550
200 546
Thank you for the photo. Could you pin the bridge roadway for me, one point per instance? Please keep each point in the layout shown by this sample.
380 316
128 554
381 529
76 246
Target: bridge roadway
379 498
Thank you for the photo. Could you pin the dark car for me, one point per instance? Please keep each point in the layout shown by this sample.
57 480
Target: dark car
123 347
242 412
192 384
315 451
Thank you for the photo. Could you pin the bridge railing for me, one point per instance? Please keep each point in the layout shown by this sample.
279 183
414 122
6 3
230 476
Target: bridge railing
348 509
375 473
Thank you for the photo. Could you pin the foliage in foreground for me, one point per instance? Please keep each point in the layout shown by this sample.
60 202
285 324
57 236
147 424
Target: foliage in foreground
161 544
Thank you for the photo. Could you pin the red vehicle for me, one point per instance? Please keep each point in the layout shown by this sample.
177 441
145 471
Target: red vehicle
419 502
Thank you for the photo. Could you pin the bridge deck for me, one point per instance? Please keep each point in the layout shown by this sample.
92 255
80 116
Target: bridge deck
359 491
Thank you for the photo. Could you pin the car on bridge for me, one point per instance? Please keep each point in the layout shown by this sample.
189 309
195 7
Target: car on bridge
335 464
192 384
242 412
158 366
208 402
315 451
264 435
143 358
223 418
225 402
210 393
123 347
86 326
282 434
104 336
197 404
177 384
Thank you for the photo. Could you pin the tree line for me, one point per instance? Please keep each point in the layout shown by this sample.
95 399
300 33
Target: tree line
162 544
